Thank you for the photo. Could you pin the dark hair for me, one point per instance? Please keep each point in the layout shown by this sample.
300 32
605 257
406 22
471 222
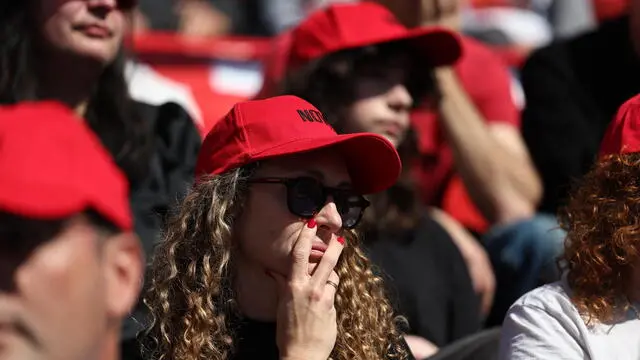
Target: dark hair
26 229
329 84
111 112
602 221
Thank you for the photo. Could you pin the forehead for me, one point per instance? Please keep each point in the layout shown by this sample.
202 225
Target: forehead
327 165
17 232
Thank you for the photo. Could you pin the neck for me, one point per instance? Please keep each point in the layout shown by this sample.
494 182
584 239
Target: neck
110 349
256 291
73 89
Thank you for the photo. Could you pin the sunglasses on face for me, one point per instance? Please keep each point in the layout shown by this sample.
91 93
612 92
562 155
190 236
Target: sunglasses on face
306 196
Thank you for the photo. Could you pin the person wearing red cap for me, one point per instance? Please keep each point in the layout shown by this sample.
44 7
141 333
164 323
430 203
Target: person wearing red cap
261 259
594 311
373 88
475 164
70 265
73 51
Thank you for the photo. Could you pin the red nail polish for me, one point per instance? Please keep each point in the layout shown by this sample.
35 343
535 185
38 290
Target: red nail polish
341 240
311 223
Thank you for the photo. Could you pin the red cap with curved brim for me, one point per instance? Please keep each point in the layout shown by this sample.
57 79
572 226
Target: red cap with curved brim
54 167
353 25
286 125
623 133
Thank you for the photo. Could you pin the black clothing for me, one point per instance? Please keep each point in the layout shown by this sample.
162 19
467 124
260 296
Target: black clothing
573 90
257 340
428 281
176 145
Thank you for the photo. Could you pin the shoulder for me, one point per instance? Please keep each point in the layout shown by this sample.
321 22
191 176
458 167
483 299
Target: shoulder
477 59
168 118
551 298
543 324
475 50
547 307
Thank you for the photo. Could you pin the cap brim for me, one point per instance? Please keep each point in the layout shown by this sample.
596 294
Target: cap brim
371 160
38 201
44 201
440 47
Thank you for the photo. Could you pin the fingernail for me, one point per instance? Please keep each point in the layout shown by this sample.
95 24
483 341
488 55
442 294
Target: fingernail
341 240
311 223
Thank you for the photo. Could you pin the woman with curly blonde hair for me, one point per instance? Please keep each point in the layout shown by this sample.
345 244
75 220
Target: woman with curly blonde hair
594 312
261 260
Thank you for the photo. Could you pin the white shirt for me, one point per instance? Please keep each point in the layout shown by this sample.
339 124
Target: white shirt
544 324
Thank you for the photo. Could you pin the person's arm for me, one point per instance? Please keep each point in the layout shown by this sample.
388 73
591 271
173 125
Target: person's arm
490 156
530 332
556 123
477 273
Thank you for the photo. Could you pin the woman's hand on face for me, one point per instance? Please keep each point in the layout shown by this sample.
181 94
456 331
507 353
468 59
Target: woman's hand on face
306 318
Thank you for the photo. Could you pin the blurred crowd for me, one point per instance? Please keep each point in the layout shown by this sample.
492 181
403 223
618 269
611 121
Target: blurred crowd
500 218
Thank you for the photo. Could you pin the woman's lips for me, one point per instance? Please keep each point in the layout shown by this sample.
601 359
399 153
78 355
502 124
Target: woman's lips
317 250
95 31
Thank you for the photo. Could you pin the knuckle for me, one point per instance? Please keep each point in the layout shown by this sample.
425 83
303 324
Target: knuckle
297 287
316 295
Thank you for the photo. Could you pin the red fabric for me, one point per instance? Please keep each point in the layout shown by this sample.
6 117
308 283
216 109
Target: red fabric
53 166
623 133
275 64
352 25
488 84
609 9
284 125
194 61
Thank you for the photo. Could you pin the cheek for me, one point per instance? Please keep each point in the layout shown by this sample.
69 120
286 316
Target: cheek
61 282
362 115
268 230
118 22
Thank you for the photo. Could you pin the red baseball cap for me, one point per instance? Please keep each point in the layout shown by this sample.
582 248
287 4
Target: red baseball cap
623 133
285 125
53 166
352 25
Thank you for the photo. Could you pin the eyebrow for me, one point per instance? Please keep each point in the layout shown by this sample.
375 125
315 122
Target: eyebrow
320 176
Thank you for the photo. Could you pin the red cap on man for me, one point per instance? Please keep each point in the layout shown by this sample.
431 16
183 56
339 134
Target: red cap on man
53 166
286 125
623 133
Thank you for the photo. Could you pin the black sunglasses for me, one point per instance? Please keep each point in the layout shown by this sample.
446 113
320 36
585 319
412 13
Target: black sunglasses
306 196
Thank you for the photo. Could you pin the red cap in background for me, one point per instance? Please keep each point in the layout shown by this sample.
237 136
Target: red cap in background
623 133
352 25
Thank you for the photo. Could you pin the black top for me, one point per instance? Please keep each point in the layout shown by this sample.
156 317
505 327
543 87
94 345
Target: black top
176 145
428 281
573 90
257 340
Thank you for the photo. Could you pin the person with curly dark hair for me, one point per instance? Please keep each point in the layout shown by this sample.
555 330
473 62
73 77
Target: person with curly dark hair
594 311
261 260
365 71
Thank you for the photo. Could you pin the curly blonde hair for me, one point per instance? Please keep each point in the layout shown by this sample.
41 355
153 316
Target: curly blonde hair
602 220
190 297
